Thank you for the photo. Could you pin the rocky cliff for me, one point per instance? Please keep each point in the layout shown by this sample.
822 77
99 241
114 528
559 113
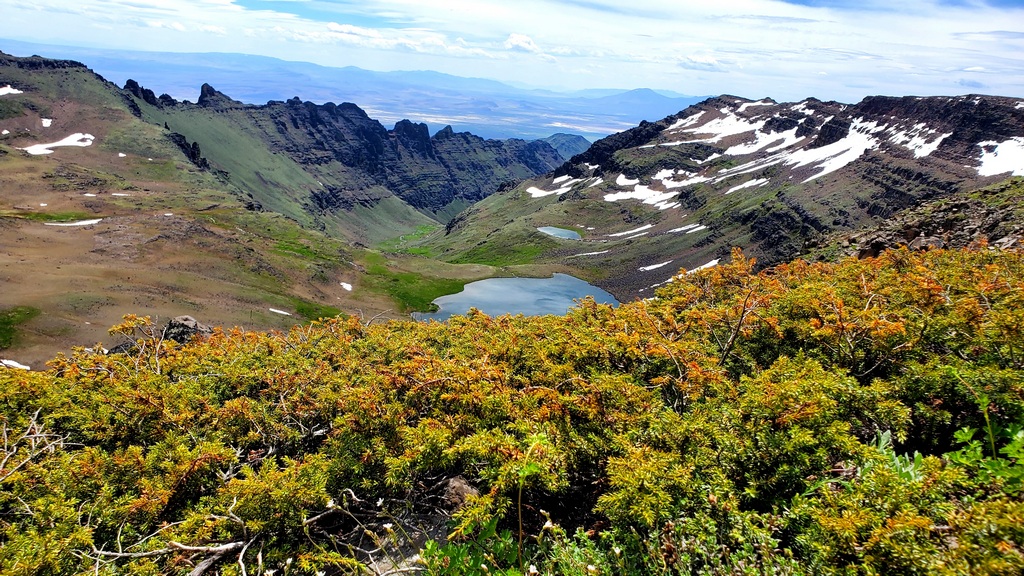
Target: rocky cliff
354 160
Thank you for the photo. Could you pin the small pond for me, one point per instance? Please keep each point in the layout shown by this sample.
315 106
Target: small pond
560 233
529 296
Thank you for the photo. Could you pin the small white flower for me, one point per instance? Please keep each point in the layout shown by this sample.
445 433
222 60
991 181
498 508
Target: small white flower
380 502
484 566
331 503
548 525
288 562
389 526
591 568
533 570
617 550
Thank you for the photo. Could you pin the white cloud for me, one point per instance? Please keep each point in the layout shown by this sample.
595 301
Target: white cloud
522 43
785 50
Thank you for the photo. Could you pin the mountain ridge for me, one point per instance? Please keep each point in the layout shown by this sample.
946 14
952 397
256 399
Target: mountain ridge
758 174
485 107
348 157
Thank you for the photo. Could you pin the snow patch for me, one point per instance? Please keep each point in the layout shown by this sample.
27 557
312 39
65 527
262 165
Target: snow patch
1006 156
13 364
119 194
5 90
705 266
121 154
728 125
89 194
684 228
834 156
540 193
591 166
916 140
596 183
560 179
76 139
47 122
654 266
697 229
634 231
763 139
684 122
752 104
621 180
589 254
659 200
346 286
281 312
802 108
666 178
5 132
79 223
751 184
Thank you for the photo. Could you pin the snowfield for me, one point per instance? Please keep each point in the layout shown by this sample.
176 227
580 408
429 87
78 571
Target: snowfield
1006 156
633 231
751 184
654 266
78 223
13 364
77 139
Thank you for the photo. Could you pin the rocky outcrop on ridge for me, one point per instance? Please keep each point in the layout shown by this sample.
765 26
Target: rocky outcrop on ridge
356 161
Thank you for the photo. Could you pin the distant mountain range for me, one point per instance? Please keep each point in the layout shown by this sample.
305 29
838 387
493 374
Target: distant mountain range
484 107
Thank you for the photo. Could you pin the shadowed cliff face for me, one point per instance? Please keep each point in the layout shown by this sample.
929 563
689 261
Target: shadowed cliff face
357 161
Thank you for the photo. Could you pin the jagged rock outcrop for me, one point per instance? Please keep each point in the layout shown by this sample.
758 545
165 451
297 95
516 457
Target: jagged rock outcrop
209 97
340 142
144 94
38 63
993 215
183 329
190 150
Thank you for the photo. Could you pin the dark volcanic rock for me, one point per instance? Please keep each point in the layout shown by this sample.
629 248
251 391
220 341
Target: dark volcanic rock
209 97
183 329
38 63
831 132
994 215
191 151
144 94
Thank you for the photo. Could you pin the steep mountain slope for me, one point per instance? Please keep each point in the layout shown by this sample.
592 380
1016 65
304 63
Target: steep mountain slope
568 145
334 166
760 175
104 214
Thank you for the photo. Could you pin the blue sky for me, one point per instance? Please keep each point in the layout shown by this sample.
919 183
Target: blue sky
788 50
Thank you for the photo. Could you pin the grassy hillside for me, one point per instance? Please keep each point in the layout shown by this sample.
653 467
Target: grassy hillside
863 417
172 238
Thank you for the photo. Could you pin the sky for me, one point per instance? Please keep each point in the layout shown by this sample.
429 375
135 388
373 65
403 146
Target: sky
788 50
